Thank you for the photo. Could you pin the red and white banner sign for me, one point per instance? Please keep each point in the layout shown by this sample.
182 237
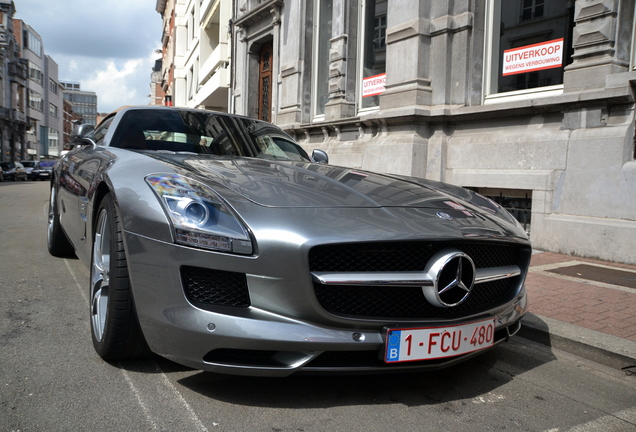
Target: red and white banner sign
373 85
544 55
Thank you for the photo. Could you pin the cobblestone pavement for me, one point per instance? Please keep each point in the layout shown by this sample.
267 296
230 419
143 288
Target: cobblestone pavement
585 300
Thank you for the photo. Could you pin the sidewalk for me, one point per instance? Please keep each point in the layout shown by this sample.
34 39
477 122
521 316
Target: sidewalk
586 307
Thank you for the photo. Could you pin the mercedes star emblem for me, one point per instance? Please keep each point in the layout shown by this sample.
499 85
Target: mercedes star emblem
453 274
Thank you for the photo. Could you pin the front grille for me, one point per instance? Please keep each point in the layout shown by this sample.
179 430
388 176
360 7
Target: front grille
408 302
206 287
403 256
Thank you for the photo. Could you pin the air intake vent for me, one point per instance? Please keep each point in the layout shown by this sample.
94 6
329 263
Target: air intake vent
206 287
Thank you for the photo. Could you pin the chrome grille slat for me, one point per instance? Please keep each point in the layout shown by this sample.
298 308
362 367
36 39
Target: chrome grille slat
406 278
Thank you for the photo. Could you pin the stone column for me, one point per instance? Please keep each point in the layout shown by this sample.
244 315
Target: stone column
291 65
452 51
601 40
408 50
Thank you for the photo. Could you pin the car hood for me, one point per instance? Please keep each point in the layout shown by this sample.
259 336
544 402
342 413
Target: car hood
300 184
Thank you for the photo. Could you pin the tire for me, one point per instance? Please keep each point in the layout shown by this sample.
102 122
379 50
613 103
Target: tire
114 323
58 244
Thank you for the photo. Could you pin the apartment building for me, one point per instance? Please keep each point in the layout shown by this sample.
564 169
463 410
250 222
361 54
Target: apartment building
529 102
13 80
43 101
84 102
195 53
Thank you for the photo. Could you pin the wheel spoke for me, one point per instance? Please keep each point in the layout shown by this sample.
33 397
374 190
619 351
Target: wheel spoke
100 275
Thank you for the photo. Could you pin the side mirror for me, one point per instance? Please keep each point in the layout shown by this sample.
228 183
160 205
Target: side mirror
82 131
320 156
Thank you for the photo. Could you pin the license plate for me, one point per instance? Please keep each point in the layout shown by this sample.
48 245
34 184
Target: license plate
438 342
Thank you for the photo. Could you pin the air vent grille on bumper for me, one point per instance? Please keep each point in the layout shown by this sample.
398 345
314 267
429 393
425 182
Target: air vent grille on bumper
206 287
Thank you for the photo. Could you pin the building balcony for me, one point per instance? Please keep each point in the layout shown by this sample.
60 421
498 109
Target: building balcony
214 93
18 69
218 60
214 79
19 116
4 36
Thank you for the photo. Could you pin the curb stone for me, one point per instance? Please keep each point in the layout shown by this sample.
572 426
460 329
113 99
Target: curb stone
592 345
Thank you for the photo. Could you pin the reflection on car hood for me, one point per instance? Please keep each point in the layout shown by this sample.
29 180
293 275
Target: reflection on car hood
298 184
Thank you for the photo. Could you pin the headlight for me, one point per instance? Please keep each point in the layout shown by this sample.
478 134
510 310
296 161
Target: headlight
199 216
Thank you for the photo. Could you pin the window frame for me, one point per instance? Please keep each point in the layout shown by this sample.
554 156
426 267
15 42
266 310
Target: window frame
361 59
316 63
632 62
490 95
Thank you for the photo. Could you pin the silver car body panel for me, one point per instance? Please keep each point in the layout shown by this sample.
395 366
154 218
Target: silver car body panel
288 208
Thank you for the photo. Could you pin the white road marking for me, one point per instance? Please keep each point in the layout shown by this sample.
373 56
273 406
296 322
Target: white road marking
129 378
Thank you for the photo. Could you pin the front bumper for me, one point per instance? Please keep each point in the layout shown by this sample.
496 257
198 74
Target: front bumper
262 339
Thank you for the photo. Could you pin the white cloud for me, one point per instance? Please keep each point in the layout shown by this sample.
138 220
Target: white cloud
128 84
107 46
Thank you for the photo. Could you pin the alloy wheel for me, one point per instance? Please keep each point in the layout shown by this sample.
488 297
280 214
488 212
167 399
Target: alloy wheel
100 275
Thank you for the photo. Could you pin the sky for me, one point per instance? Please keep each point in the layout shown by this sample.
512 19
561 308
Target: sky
108 46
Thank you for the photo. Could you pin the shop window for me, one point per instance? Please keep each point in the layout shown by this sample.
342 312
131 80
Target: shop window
322 44
529 45
372 52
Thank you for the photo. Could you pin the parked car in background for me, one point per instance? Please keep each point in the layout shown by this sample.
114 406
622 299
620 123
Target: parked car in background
42 170
1 175
216 241
13 170
28 165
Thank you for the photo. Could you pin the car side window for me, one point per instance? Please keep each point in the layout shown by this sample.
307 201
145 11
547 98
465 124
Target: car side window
100 132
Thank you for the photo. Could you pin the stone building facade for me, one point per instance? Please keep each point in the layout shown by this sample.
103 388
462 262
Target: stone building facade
43 96
13 80
531 104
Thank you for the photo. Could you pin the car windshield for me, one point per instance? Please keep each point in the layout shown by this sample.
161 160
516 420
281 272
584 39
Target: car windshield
46 164
28 164
7 165
206 133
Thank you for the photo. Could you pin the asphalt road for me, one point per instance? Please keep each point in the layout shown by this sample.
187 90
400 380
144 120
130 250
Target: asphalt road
51 379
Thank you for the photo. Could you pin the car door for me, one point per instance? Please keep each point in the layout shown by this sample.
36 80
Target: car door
77 179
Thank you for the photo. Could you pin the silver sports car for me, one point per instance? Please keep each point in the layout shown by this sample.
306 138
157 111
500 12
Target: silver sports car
215 241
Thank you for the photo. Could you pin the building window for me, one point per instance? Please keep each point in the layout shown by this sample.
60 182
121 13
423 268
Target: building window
35 73
53 110
532 9
33 43
530 43
54 140
322 25
372 52
52 86
35 100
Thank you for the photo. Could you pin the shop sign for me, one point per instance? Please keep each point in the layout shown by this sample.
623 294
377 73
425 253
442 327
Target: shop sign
373 85
544 55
